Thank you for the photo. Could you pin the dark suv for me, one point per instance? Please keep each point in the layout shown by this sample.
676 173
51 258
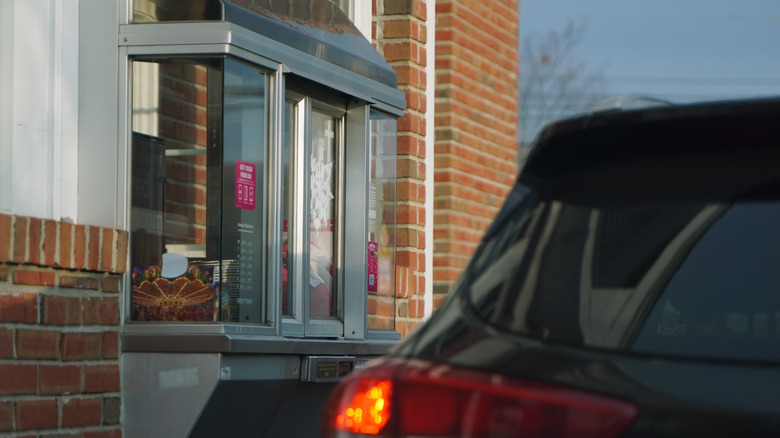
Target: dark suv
629 287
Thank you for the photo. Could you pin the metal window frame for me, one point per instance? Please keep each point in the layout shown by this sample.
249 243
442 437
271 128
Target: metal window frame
226 39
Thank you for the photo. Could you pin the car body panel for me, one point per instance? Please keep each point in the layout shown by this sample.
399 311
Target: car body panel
583 279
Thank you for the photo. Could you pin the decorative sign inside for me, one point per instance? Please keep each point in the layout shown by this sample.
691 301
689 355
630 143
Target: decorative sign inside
245 185
373 266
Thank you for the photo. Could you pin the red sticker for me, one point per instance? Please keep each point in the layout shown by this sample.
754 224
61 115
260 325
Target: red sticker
245 185
373 266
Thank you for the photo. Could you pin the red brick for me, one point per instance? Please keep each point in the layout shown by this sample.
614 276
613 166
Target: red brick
79 247
385 308
49 242
35 241
20 239
414 8
79 282
18 379
93 261
36 414
110 284
410 145
6 343
19 307
101 378
101 311
410 168
6 223
66 243
6 416
59 379
107 250
35 278
371 305
114 433
110 345
81 346
37 344
81 412
120 264
61 310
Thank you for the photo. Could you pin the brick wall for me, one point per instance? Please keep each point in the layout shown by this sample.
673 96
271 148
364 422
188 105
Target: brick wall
59 328
400 34
476 106
476 127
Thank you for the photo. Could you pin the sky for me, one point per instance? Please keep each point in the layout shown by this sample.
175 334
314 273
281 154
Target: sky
680 50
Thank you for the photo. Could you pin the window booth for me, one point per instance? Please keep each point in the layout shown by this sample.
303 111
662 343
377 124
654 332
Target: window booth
261 139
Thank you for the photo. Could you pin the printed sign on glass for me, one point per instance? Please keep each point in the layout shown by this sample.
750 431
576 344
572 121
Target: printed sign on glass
245 185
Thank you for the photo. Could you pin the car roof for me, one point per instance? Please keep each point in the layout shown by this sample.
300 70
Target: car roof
664 146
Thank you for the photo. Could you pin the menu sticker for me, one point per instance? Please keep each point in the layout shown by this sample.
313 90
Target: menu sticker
246 177
373 266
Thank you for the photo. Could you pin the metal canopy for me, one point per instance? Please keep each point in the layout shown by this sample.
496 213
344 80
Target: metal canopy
315 27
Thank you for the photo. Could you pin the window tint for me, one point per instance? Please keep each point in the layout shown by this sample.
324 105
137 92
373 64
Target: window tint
724 298
682 278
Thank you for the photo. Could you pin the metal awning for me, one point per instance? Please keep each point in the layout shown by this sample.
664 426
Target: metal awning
314 27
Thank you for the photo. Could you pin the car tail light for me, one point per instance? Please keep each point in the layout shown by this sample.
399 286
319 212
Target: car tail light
413 398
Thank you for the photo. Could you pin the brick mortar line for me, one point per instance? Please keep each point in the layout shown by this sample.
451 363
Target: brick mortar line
467 54
488 104
58 328
508 111
510 160
477 150
65 329
58 272
476 177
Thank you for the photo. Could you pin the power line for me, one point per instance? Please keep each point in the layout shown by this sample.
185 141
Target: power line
674 79
656 17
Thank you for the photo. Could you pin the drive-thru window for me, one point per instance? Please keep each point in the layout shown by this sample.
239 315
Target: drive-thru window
261 155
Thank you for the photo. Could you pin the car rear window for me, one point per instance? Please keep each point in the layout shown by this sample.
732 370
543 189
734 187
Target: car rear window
694 277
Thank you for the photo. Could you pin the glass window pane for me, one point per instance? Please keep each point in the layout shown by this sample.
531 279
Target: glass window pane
173 278
718 300
287 186
197 207
322 205
381 223
243 220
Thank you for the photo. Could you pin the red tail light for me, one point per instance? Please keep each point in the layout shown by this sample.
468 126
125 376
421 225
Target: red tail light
396 398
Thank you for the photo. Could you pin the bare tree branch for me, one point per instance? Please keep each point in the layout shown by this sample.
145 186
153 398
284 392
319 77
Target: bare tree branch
554 83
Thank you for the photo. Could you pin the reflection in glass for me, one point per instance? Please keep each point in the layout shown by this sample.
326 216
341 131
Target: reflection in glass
196 215
242 188
288 144
322 207
381 223
722 301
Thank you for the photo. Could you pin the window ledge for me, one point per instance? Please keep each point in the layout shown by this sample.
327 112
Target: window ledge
218 338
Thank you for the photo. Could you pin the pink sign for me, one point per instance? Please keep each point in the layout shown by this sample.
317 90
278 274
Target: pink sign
245 185
373 266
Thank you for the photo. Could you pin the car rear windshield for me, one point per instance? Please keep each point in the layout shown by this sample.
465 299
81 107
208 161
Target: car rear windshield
687 267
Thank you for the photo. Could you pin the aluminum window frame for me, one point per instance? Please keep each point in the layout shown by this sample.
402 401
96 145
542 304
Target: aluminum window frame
228 40
300 323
